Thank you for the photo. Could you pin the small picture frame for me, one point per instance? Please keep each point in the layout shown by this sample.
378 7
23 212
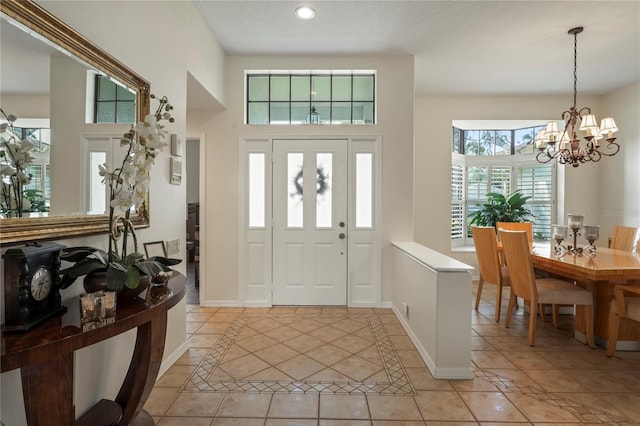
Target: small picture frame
155 248
176 145
176 171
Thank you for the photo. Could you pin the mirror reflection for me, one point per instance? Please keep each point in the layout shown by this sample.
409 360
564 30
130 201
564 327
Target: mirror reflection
31 66
73 105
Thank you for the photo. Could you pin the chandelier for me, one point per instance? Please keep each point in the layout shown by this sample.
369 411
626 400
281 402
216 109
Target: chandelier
565 145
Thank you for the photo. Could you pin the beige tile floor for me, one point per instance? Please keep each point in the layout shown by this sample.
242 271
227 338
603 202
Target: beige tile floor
339 366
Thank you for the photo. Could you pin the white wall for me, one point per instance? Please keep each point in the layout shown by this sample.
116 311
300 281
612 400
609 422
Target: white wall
223 129
150 37
587 189
619 182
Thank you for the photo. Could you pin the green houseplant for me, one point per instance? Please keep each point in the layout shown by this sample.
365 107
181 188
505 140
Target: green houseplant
501 208
128 186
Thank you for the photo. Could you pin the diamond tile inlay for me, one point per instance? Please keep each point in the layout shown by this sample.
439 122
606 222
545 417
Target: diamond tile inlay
360 346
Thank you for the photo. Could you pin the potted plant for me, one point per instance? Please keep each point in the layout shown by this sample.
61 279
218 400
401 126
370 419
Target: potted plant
500 208
118 272
128 187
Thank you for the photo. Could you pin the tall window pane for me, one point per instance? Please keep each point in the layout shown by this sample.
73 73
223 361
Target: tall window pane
97 190
256 190
295 189
324 190
364 190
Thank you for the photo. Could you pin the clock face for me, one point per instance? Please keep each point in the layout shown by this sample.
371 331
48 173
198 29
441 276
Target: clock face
41 283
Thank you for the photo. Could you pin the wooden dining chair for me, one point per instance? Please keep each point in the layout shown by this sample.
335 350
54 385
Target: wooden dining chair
625 238
552 291
622 307
491 271
517 226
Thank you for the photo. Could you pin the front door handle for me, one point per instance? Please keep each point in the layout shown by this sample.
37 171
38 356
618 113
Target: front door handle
342 236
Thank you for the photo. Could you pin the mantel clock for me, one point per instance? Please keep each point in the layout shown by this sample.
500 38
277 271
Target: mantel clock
31 285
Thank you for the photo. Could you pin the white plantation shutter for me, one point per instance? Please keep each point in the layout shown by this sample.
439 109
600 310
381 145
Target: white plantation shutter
536 181
457 202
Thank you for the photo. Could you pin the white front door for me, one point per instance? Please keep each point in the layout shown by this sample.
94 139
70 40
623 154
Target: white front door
309 222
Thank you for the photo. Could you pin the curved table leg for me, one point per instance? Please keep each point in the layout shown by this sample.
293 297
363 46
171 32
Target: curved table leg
143 369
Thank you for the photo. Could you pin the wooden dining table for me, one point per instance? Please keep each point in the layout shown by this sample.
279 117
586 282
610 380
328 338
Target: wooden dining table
598 273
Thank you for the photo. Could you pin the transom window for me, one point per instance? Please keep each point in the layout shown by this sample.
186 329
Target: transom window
334 97
502 161
113 103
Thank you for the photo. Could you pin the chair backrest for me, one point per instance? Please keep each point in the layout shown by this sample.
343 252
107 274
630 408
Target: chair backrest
484 238
626 238
517 226
515 248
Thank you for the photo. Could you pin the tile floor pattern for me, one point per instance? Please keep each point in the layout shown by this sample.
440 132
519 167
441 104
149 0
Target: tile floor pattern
338 366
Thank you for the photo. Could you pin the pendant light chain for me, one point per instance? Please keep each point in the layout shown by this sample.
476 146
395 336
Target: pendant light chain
575 69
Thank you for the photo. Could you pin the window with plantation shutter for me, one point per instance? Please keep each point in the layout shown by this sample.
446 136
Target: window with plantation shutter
512 166
536 181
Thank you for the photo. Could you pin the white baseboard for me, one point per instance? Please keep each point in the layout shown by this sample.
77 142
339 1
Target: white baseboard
172 358
221 304
387 305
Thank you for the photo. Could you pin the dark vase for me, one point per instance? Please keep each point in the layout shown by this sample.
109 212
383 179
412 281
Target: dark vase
131 293
97 281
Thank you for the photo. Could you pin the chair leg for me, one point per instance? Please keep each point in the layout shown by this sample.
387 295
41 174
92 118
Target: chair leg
614 323
541 310
588 325
480 284
532 327
554 315
498 301
507 322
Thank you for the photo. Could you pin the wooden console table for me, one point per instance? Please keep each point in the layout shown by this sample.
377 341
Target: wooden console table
45 358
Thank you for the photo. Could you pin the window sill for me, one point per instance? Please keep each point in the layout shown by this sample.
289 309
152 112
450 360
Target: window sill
463 249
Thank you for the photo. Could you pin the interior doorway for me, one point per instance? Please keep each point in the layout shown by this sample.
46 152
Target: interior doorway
192 231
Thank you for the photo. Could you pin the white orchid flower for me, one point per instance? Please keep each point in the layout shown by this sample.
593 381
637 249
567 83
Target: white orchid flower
7 169
23 177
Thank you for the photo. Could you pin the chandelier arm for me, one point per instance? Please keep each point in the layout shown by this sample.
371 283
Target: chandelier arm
617 147
544 157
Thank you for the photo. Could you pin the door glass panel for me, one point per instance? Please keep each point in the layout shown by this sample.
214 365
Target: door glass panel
324 171
364 190
256 190
97 190
295 218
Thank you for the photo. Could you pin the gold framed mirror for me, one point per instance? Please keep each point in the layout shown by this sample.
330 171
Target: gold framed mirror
37 20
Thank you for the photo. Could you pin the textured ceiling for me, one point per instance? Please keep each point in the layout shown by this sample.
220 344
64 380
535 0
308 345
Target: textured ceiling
460 47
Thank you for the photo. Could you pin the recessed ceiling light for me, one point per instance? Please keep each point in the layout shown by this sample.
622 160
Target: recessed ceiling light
304 12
